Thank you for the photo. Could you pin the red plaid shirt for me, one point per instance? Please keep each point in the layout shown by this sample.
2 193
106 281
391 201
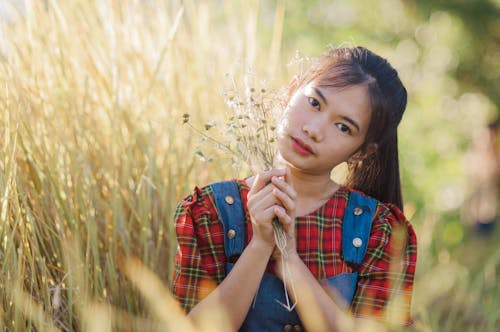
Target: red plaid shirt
386 272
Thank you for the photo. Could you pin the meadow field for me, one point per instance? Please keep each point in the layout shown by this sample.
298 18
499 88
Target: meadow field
94 155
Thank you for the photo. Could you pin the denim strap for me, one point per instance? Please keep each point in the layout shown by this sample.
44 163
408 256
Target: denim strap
356 227
230 208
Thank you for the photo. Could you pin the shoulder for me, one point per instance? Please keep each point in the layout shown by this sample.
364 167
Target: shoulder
388 220
201 200
388 267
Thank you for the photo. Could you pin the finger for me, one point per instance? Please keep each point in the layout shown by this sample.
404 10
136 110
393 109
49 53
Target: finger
283 217
263 198
264 191
285 200
262 179
288 180
265 216
288 176
284 186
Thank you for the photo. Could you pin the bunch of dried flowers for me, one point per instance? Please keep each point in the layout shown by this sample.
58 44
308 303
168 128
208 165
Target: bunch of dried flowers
249 135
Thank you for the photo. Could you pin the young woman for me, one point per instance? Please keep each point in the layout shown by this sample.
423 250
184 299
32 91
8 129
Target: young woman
345 108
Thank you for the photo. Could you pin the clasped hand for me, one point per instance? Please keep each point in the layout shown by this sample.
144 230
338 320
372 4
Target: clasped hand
272 196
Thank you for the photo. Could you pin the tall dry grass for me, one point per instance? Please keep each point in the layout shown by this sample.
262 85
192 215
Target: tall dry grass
93 150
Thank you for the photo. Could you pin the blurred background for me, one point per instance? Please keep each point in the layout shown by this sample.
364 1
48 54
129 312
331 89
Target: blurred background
94 155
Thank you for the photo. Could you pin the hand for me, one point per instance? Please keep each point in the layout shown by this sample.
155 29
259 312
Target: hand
270 197
287 196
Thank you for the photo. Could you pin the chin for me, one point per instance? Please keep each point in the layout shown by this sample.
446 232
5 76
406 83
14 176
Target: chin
284 149
288 158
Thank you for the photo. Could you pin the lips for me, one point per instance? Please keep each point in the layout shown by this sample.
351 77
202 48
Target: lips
301 147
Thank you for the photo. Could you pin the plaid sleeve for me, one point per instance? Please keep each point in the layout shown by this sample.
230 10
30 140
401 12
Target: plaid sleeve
198 264
385 277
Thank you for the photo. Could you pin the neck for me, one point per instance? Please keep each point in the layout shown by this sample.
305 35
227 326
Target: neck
312 186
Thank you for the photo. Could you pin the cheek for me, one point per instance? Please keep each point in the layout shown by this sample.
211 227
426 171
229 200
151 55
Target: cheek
292 118
284 123
282 128
338 146
348 150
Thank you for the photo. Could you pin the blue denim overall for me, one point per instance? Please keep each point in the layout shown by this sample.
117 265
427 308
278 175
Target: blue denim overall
266 314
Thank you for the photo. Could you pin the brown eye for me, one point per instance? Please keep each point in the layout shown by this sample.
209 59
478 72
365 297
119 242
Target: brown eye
313 102
343 128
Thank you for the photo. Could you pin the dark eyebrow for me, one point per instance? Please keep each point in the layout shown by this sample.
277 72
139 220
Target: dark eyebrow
351 121
346 118
320 94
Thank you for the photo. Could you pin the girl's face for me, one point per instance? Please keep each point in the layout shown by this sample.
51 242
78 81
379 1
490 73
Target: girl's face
323 127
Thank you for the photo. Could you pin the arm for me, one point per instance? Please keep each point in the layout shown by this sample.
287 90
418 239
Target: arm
316 309
315 306
385 279
229 295
390 258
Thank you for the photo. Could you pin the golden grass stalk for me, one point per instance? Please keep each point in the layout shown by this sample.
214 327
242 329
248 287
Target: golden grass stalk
32 310
90 97
166 310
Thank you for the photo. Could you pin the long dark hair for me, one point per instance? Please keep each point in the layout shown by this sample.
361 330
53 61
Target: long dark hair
374 169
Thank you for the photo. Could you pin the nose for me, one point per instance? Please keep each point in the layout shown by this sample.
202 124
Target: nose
313 127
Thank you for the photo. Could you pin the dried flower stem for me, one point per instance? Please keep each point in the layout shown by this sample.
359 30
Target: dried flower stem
250 137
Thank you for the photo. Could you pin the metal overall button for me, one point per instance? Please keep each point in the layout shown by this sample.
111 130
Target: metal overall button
358 211
229 200
231 234
357 242
288 328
